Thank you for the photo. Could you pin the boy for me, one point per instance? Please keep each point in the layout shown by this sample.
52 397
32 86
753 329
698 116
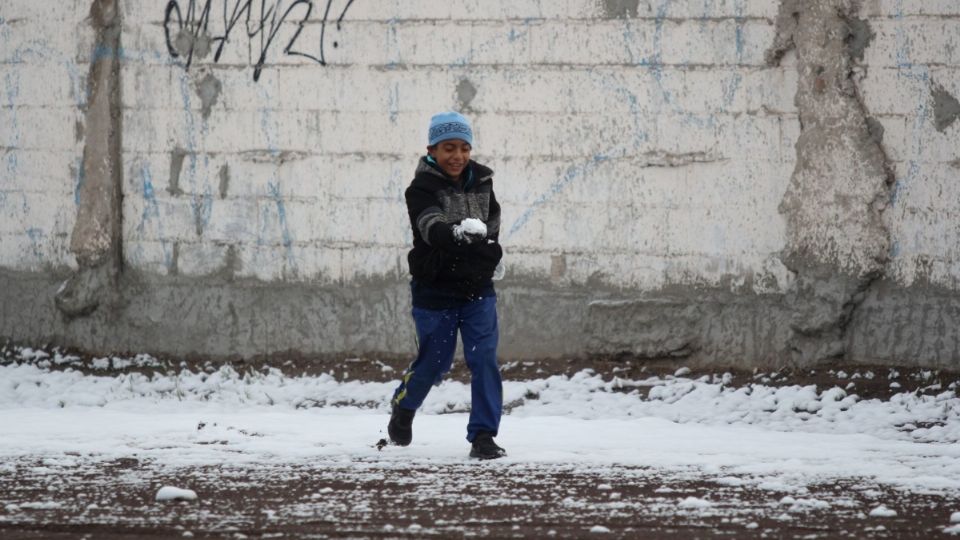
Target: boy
456 222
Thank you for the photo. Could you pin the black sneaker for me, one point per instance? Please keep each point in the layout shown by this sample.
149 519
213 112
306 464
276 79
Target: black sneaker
484 448
400 427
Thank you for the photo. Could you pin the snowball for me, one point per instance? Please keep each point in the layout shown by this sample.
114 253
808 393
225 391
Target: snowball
170 493
882 511
473 226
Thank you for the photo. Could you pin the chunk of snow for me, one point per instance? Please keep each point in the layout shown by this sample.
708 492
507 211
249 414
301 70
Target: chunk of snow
472 226
170 493
681 372
953 529
955 517
599 529
694 502
882 511
604 486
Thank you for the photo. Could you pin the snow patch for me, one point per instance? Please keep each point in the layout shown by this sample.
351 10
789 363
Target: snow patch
170 493
694 503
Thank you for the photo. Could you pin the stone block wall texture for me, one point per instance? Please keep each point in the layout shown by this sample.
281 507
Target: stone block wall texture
726 182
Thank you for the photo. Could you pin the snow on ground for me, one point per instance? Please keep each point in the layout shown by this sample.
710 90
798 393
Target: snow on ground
777 439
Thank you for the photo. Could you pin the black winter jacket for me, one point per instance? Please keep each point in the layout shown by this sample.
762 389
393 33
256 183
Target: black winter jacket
447 272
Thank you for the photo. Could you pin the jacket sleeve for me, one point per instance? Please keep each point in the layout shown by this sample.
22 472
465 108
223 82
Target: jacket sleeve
489 252
493 218
428 219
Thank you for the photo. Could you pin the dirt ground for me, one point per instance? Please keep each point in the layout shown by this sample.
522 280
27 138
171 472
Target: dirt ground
333 499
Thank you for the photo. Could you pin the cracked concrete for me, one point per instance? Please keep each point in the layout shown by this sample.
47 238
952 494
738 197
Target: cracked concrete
837 241
96 238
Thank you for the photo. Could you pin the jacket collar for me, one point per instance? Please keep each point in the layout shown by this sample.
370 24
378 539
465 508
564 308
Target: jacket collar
481 173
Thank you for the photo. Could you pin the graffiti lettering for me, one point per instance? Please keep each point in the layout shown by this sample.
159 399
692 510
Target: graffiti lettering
187 30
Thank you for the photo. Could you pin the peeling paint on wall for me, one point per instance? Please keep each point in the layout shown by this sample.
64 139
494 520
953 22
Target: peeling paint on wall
620 8
466 91
208 89
946 108
96 238
176 166
224 176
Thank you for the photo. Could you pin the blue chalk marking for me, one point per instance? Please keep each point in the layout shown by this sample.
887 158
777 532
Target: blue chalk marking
79 180
919 73
12 84
393 102
511 36
656 68
270 131
392 44
739 18
104 52
730 89
152 210
202 207
36 238
273 190
394 187
572 173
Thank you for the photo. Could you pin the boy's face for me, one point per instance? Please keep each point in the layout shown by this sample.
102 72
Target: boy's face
452 156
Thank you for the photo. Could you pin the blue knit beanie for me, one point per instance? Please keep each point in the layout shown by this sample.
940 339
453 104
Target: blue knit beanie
449 125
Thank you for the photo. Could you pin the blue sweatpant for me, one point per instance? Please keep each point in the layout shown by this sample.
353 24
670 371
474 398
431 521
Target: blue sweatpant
437 335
